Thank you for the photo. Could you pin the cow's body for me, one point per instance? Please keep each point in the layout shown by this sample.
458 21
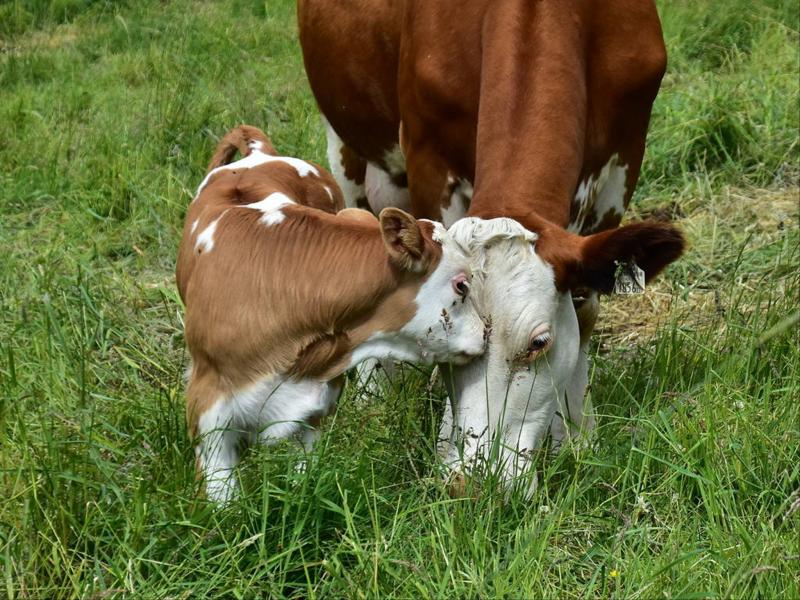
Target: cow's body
534 110
547 101
281 298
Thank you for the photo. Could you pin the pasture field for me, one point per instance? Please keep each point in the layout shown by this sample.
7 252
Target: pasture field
109 112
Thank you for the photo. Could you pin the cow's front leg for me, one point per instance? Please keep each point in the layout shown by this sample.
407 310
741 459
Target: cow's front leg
328 399
427 176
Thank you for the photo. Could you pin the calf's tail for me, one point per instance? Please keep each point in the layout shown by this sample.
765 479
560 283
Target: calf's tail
244 139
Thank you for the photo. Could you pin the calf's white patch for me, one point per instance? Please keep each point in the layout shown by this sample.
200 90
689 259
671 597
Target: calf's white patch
259 158
205 241
271 208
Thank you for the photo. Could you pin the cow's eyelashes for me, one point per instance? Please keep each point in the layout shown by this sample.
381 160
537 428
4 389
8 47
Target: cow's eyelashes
539 343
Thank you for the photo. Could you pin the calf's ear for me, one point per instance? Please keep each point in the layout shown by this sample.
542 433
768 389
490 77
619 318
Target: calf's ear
652 245
403 239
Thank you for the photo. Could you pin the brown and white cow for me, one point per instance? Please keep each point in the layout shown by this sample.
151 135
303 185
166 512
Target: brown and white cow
533 110
281 298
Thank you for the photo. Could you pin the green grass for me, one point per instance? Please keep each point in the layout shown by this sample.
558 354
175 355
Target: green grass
108 114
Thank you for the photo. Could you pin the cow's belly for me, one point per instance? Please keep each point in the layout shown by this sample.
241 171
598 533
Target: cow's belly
599 201
381 191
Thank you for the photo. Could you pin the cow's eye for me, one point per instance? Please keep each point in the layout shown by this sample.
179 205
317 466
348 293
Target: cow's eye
461 285
539 343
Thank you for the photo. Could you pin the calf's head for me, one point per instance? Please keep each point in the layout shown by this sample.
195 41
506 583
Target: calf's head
445 326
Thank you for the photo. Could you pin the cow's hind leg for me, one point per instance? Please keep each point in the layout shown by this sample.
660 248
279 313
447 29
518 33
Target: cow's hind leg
348 168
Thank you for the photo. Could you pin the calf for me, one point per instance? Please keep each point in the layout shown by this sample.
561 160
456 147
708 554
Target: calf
281 298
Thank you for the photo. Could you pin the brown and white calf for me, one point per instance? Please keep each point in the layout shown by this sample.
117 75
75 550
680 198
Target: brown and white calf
281 298
486 109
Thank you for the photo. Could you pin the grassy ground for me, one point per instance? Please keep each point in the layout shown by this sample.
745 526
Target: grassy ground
108 114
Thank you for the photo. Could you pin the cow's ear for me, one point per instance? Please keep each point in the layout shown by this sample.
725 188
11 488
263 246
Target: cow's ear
650 244
403 239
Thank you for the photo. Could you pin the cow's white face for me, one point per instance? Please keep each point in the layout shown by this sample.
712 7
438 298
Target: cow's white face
505 400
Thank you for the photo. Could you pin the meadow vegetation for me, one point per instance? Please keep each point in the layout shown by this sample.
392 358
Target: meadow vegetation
109 112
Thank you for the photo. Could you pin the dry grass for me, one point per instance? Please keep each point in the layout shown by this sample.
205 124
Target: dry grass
750 218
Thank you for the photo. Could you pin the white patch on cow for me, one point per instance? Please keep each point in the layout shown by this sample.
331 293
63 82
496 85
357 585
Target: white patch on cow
460 198
395 161
439 233
259 158
503 403
597 195
271 207
382 192
205 241
267 411
329 192
255 145
351 190
194 226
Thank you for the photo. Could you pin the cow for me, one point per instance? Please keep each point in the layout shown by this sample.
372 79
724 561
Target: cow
532 110
282 296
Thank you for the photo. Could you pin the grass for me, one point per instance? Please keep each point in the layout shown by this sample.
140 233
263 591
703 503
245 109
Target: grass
108 114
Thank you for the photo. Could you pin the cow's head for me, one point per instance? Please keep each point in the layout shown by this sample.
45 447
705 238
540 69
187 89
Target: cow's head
523 287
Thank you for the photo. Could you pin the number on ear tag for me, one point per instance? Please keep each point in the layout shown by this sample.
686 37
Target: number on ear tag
629 279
